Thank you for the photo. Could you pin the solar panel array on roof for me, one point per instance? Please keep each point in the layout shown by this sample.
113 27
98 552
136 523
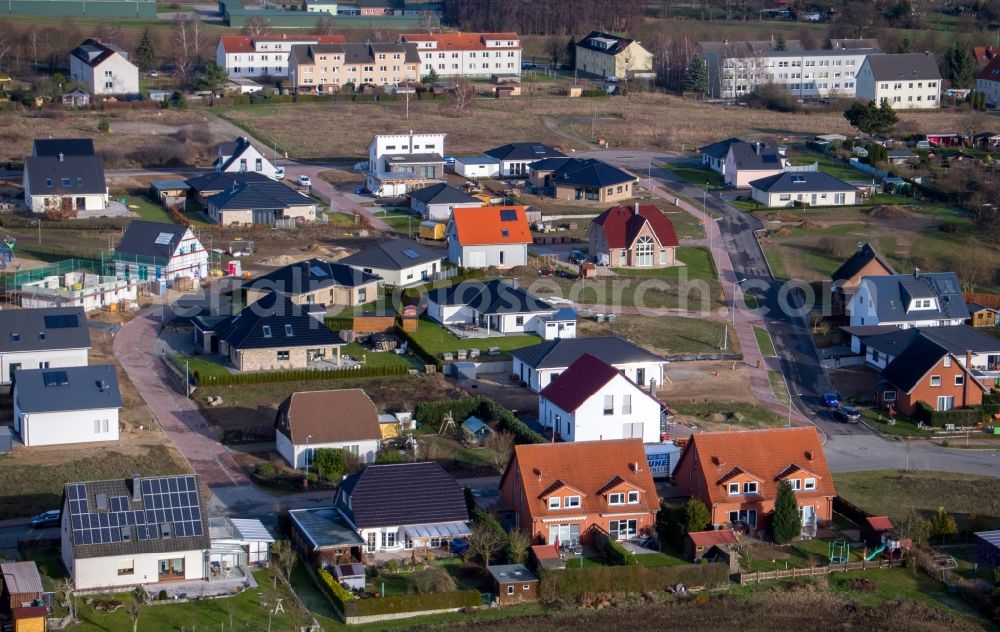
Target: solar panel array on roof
55 378
539 149
798 179
163 239
508 215
63 321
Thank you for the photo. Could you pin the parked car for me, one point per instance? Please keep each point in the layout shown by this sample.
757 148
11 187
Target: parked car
153 73
279 173
831 399
577 256
849 414
360 191
449 160
46 519
305 181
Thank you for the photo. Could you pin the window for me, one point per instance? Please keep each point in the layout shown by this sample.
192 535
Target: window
748 516
362 295
126 567
945 402
810 484
796 484
633 498
258 165
288 330
889 396
609 404
388 540
947 361
626 404
616 499
555 502
734 489
623 529
750 488
935 380
571 502
519 321
267 331
510 590
282 356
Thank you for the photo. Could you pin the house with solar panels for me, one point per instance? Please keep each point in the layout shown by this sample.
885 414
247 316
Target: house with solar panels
69 405
43 338
400 262
137 531
153 251
315 282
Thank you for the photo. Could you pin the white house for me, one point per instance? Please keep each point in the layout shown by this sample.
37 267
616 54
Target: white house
907 81
160 532
539 364
263 55
403 506
67 405
515 158
988 83
802 188
437 201
613 57
400 163
746 162
313 420
104 68
475 167
400 262
492 236
467 54
240 156
261 203
151 251
499 306
78 289
53 337
714 156
592 401
65 183
972 347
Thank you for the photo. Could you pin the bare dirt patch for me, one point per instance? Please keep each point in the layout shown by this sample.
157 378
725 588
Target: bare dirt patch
698 382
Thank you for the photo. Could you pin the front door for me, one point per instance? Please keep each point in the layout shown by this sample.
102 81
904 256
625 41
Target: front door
640 376
808 514
371 541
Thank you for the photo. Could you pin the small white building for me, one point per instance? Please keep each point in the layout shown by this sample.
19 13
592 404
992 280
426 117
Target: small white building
241 156
437 201
400 163
152 251
47 338
802 188
499 306
592 401
475 167
492 236
907 81
78 289
68 405
232 537
104 68
467 54
988 83
314 420
921 299
539 364
399 262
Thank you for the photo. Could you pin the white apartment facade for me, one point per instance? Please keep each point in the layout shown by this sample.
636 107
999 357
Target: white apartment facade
467 54
908 81
103 68
265 55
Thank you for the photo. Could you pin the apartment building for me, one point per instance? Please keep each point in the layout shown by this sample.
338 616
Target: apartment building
247 56
909 81
467 54
613 57
103 68
325 68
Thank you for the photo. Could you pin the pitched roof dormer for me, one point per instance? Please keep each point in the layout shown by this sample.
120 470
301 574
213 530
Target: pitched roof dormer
738 473
559 486
794 469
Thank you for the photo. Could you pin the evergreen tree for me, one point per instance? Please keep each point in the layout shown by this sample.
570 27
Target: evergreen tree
145 53
431 77
696 516
571 52
696 76
943 526
872 119
780 43
785 523
959 67
212 77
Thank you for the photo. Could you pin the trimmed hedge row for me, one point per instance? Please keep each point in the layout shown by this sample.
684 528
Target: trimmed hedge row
482 407
619 555
340 595
572 583
298 375
412 603
939 418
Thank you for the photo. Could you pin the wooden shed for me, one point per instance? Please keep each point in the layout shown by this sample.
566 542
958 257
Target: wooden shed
22 585
709 544
513 583
874 530
373 323
432 230
30 619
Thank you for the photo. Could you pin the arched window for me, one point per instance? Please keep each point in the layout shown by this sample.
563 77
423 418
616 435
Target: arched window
644 252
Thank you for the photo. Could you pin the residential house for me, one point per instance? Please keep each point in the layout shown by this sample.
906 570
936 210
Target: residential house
272 334
64 146
982 316
239 537
316 282
613 57
152 251
492 236
475 167
500 306
515 158
869 43
926 371
328 68
567 493
467 54
22 586
736 475
899 156
907 81
539 364
592 401
513 584
865 262
208 185
746 162
260 203
714 156
399 262
399 163
921 299
65 184
638 236
53 337
321 6
437 201
76 99
264 55
66 405
103 68
802 188
983 55
403 506
241 156
343 419
591 180
975 349
988 82
139 531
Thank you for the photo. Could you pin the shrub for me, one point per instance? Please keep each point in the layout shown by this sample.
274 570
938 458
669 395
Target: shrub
295 375
162 596
433 580
618 555
574 583
340 595
940 418
391 567
103 126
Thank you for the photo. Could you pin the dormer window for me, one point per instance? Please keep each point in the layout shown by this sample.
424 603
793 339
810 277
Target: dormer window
750 488
555 502
810 484
571 502
633 498
617 498
734 489
796 484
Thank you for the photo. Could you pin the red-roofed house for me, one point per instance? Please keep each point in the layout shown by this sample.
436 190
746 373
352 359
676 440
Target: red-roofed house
257 56
492 236
592 401
567 492
467 54
988 82
639 236
736 475
984 54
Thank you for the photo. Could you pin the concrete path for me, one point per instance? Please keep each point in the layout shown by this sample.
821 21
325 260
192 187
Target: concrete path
339 202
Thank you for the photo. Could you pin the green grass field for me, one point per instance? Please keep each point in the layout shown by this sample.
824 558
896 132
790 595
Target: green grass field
764 341
695 174
698 265
436 339
754 416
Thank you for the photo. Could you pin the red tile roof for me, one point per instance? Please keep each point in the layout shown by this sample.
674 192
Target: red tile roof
713 538
545 551
585 377
879 523
622 225
487 226
244 43
985 54
29 612
463 41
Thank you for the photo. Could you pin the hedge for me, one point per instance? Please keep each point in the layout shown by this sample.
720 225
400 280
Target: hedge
340 595
412 603
939 418
572 583
297 375
483 407
618 555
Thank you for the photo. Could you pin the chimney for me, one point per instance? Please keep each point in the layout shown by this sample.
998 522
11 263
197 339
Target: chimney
635 467
916 272
136 492
861 245
637 207
61 156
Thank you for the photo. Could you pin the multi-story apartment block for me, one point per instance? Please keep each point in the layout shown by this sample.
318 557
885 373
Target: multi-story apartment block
103 68
613 58
325 68
909 81
264 55
467 54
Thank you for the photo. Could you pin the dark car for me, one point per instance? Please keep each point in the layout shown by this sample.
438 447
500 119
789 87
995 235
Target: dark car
831 400
46 519
849 414
577 256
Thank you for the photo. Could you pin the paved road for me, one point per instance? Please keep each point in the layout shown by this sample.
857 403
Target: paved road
858 453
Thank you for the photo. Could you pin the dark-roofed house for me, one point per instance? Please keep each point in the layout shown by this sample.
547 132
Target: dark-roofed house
65 184
539 364
272 333
975 349
515 158
67 405
513 583
49 337
988 81
240 156
714 156
64 146
921 299
746 162
399 163
103 68
802 188
324 537
344 419
260 203
593 401
315 282
613 58
593 180
327 68
636 236
399 262
499 306
864 262
151 251
437 201
403 506
137 531
907 81
211 184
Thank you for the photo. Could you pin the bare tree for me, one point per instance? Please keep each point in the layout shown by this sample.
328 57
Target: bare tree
65 586
555 48
282 559
7 42
182 45
256 26
31 35
109 32
462 96
499 445
485 542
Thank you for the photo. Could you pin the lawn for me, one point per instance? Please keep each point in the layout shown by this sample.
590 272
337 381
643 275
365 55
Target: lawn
467 576
376 358
436 339
201 366
778 386
764 341
739 414
665 334
832 166
659 559
148 209
695 174
902 427
400 220
698 265
686 225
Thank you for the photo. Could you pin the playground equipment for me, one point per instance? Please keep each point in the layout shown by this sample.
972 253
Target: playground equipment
840 551
888 545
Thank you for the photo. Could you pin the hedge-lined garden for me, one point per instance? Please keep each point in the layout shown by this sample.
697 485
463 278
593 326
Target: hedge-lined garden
269 377
430 414
573 583
351 606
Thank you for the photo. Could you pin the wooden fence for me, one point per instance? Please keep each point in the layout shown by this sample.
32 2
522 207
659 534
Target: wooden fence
763 576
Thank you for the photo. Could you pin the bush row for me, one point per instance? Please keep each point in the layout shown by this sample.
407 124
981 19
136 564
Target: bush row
482 407
572 583
414 344
939 418
270 377
340 595
412 603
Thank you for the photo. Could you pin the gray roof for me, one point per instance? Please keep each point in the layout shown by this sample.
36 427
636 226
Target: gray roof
324 527
956 339
524 151
907 368
141 239
246 330
498 296
21 578
67 389
269 195
864 255
50 175
590 173
856 43
232 152
43 329
356 53
618 44
755 156
310 275
442 193
477 160
395 254
65 146
401 494
893 293
511 573
412 159
719 149
801 181
559 354
904 66
93 52
745 48
217 182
